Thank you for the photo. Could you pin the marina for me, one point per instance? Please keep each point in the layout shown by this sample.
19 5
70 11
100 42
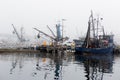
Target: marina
54 55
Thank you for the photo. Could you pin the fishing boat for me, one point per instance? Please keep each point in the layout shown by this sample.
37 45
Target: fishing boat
96 41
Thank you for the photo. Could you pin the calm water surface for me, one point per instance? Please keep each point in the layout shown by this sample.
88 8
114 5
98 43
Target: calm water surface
61 66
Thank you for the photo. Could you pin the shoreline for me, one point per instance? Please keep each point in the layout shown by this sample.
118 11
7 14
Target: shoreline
17 50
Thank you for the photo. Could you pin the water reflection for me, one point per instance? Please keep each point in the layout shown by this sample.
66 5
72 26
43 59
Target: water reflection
55 66
96 65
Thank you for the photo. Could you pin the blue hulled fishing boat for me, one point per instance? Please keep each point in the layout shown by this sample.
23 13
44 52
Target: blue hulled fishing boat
96 41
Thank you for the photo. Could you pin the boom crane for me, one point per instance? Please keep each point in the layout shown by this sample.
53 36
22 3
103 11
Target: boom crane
57 38
20 36
45 34
51 31
17 33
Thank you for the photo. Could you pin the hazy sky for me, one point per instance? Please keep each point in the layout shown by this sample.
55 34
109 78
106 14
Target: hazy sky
39 13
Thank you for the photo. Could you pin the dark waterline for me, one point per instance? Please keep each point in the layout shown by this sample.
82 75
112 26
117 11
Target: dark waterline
61 66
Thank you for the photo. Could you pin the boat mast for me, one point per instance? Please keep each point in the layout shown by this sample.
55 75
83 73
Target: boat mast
103 30
93 26
87 39
102 27
97 26
63 29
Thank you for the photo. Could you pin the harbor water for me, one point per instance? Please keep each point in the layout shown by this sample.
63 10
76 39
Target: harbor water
60 66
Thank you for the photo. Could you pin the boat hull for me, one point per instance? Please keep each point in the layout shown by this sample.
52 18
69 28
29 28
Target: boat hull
94 50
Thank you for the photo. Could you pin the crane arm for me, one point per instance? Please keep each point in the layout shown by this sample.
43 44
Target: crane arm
51 31
16 32
44 34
